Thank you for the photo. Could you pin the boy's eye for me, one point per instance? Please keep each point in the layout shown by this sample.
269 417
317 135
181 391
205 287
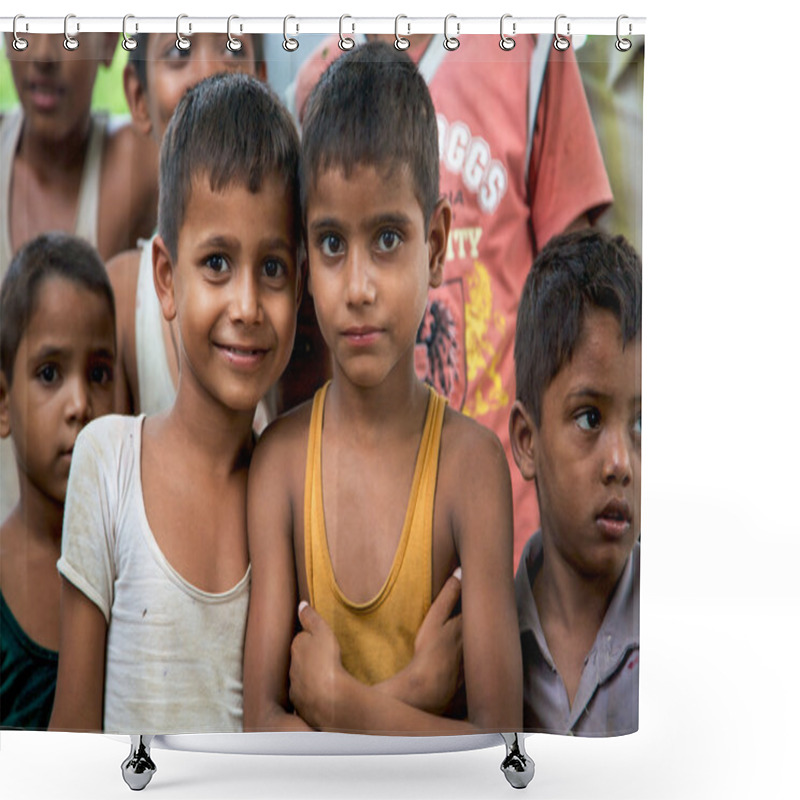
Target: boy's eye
102 374
274 268
217 263
331 245
637 425
388 241
47 374
588 420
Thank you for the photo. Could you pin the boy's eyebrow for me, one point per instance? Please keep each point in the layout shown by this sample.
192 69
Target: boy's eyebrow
389 218
48 351
588 392
225 243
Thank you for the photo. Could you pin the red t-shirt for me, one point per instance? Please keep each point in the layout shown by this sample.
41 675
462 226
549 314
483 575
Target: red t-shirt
503 213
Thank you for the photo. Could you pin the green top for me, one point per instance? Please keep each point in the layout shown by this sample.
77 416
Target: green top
27 676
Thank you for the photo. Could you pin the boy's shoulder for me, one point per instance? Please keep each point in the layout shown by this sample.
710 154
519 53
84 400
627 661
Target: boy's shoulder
106 436
467 443
284 440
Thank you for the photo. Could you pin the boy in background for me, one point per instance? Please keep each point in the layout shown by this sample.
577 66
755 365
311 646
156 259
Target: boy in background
56 374
363 502
155 563
516 172
64 168
576 430
156 77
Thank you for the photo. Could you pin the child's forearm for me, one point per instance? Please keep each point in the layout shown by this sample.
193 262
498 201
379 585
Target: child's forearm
274 718
358 707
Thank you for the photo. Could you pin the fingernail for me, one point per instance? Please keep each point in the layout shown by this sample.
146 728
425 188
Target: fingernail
457 573
300 608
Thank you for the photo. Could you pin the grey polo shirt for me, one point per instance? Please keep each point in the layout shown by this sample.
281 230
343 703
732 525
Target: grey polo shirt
607 700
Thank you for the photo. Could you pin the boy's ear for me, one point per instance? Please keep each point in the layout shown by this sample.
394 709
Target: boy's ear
164 278
438 236
5 412
137 102
524 436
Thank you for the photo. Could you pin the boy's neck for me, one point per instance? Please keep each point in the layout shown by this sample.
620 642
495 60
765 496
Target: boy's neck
570 599
218 435
40 516
388 407
45 154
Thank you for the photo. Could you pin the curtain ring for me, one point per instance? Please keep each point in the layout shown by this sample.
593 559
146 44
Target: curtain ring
233 44
623 45
128 43
289 44
70 42
506 42
19 44
400 42
345 42
451 42
561 43
182 43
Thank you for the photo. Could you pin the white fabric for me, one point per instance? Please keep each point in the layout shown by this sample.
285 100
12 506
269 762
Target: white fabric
156 389
85 227
174 652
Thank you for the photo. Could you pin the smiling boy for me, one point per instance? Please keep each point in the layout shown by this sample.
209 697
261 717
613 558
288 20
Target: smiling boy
576 431
155 565
363 502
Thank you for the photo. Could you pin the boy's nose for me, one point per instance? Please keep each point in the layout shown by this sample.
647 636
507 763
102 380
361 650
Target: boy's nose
79 401
46 49
360 287
245 306
617 466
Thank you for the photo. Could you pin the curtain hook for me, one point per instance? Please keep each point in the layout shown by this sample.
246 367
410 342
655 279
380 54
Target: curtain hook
506 42
234 44
400 42
289 44
621 44
561 43
19 44
128 43
181 42
451 42
70 42
345 42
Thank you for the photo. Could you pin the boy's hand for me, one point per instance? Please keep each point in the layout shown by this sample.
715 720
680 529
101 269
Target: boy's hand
435 672
316 662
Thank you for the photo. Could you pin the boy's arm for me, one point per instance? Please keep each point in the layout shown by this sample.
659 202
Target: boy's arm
78 702
330 698
273 589
478 486
123 272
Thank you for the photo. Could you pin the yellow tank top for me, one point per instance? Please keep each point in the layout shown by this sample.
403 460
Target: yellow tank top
377 637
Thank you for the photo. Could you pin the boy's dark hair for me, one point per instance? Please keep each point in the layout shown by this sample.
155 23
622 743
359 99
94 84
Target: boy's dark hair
138 56
232 129
573 272
372 107
46 256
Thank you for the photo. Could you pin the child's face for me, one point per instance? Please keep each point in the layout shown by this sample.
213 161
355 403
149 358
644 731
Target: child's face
54 85
63 378
170 72
586 453
233 290
370 266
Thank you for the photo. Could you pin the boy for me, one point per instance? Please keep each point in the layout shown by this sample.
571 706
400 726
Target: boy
576 433
156 77
362 503
515 178
154 560
64 168
56 374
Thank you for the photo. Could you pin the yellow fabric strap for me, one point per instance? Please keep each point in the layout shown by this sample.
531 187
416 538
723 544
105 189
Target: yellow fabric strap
377 637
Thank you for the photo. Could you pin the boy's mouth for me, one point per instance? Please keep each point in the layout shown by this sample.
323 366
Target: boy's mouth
615 518
242 357
44 95
361 334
